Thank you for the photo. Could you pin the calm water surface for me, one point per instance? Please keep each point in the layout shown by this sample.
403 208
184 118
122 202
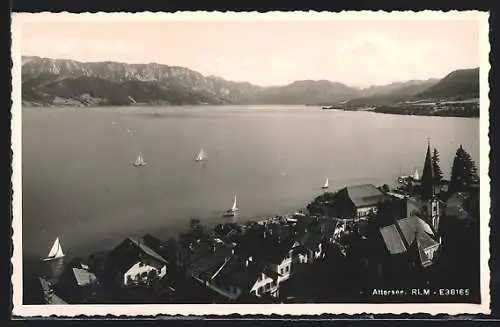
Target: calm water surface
79 183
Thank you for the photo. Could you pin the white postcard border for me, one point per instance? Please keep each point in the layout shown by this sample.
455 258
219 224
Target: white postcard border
18 19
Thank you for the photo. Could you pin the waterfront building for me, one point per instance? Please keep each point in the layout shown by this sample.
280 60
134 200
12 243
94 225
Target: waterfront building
134 263
358 201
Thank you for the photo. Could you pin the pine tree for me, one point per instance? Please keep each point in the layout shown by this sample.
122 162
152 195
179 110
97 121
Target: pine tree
438 174
463 171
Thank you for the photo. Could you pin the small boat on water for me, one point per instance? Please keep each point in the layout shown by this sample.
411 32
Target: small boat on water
232 211
201 156
55 252
325 186
139 162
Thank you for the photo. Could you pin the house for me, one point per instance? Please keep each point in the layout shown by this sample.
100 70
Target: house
254 268
400 236
166 249
206 260
134 263
358 201
258 275
243 276
310 245
77 284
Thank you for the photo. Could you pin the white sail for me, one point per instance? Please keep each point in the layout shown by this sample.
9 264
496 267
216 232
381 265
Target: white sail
234 207
416 175
326 184
56 251
139 161
202 155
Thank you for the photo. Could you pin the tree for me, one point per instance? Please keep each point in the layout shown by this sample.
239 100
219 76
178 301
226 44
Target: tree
438 174
463 171
384 188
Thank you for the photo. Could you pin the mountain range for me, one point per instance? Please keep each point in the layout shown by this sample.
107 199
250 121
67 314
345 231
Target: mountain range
50 82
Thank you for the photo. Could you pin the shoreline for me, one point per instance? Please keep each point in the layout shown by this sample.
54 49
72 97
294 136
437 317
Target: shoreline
146 105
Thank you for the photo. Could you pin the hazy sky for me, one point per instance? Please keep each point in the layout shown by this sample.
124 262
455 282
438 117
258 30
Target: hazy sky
356 53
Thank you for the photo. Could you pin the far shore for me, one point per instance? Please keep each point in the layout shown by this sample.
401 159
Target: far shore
325 108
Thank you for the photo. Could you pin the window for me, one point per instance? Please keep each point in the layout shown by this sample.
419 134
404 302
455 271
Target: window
259 291
287 268
282 271
141 264
267 287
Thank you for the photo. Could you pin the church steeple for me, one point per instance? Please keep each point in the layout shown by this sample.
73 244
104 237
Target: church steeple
429 188
427 185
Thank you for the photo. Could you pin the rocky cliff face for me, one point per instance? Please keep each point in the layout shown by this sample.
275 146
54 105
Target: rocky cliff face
47 82
53 81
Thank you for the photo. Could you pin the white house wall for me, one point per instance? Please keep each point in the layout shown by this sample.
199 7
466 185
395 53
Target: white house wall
363 212
137 269
261 282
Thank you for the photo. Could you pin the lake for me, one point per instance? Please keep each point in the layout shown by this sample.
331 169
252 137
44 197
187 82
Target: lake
79 182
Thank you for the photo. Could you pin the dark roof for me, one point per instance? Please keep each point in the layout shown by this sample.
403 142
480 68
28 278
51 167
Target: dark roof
127 253
165 249
237 273
207 260
267 249
261 245
312 238
364 195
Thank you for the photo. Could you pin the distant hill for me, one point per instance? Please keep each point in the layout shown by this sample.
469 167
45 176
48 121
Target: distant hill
58 82
48 82
391 93
458 85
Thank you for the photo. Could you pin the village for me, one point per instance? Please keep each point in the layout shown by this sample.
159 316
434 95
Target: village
353 245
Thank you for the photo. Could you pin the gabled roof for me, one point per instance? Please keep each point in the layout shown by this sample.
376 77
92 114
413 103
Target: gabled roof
400 236
128 253
363 195
237 273
83 277
264 247
207 261
393 239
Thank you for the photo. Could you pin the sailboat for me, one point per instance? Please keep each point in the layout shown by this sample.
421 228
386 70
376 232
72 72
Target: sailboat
139 161
56 251
416 175
202 155
326 184
233 209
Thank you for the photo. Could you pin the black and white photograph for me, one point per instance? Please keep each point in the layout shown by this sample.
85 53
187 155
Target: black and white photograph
287 163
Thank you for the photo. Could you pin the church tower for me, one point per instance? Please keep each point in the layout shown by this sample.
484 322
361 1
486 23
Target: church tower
430 189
